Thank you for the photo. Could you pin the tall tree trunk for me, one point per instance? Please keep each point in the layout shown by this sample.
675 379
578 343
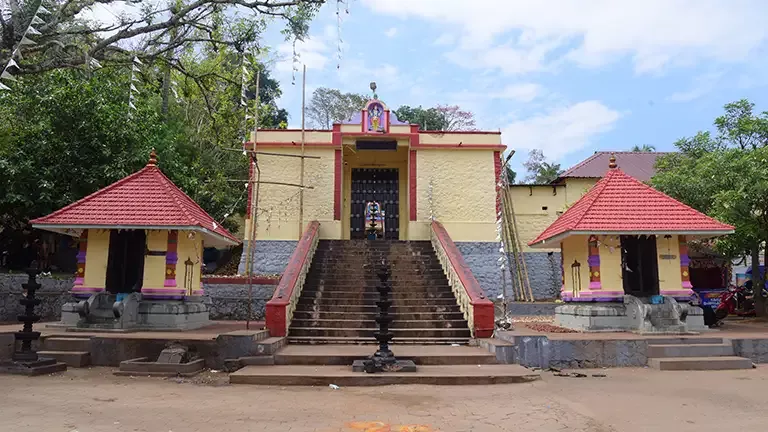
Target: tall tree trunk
758 281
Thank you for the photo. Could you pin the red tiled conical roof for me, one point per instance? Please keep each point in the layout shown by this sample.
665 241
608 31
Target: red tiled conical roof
620 204
146 199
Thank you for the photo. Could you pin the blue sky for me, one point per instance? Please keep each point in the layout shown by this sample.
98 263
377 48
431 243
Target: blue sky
568 77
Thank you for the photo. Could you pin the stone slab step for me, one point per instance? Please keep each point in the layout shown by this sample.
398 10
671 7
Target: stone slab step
690 350
371 324
266 360
370 316
398 296
75 359
372 302
684 341
362 332
344 377
315 340
340 355
269 346
700 363
395 309
58 343
371 289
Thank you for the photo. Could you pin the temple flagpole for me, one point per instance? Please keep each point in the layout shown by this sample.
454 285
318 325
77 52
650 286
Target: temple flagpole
303 131
254 204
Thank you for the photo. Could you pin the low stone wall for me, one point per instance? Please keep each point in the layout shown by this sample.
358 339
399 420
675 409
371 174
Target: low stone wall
755 349
229 301
269 257
53 294
543 270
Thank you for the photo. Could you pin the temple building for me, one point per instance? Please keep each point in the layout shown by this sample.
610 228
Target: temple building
413 176
140 254
624 245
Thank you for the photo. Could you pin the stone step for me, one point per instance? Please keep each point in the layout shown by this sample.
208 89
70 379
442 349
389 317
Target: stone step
700 363
690 350
371 278
395 309
684 341
75 359
344 377
355 332
269 346
396 289
265 360
57 343
371 324
327 355
397 295
320 340
372 302
369 316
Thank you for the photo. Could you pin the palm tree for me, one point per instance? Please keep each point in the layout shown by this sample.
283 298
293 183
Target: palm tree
644 148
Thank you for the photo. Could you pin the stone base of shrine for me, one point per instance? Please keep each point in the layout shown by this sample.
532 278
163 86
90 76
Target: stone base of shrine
103 312
634 314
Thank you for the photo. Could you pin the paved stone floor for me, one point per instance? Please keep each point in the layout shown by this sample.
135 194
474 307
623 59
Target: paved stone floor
86 400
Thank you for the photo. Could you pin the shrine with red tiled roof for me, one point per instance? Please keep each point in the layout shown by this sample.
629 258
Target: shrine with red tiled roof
140 254
625 242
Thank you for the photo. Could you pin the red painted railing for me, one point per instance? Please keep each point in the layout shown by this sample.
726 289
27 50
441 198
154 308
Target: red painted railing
280 308
477 309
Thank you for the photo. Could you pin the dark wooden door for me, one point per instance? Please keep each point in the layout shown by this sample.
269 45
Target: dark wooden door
640 266
375 184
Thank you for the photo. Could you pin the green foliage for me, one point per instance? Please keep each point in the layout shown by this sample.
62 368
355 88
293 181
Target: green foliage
439 118
328 106
539 170
643 148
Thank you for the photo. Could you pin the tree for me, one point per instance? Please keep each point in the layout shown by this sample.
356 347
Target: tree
726 176
439 118
645 148
539 170
328 106
511 175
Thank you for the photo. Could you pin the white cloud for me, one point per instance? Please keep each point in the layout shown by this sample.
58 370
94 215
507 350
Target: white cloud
391 32
700 87
520 92
591 33
445 39
563 130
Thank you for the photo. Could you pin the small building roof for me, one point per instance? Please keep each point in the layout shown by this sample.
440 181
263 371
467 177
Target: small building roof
146 199
621 204
640 165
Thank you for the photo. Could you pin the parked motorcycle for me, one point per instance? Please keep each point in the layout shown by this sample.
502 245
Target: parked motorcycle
738 301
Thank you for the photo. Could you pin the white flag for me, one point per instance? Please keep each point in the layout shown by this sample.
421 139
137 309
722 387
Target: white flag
33 31
134 78
245 71
37 20
135 68
137 61
95 63
41 9
4 87
133 88
26 41
131 105
13 63
7 75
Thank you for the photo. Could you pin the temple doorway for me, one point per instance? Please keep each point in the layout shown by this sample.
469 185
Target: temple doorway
639 265
125 263
380 185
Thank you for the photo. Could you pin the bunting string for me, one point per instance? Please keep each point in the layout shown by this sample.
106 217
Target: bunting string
133 91
6 74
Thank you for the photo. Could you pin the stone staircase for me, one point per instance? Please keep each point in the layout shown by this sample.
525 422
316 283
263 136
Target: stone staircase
74 351
337 304
694 354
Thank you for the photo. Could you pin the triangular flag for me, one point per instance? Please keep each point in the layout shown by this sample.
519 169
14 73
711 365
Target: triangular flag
137 61
33 31
242 103
26 41
13 63
135 68
245 70
246 61
175 94
134 78
41 9
7 75
133 88
131 105
95 63
4 87
37 20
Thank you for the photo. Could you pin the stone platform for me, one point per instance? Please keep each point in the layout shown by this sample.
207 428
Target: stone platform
343 375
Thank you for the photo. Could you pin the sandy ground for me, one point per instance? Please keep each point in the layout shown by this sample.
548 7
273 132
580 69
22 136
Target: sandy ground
86 400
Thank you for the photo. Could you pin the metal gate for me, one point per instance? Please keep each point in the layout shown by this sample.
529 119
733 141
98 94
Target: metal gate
375 184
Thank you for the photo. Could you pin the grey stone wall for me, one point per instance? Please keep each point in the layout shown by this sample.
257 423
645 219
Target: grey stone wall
543 270
230 301
53 293
269 257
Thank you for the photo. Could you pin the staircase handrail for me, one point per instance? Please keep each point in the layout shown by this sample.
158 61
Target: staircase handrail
280 308
477 309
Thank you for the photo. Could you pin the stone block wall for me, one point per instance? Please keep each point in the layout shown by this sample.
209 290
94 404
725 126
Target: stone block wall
543 270
269 257
230 301
53 293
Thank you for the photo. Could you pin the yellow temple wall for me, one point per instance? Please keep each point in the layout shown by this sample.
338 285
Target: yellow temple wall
670 278
154 266
463 194
279 205
610 263
490 138
529 204
96 257
575 248
191 249
575 188
292 135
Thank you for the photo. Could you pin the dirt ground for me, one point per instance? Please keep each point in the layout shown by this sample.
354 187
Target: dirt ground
86 400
